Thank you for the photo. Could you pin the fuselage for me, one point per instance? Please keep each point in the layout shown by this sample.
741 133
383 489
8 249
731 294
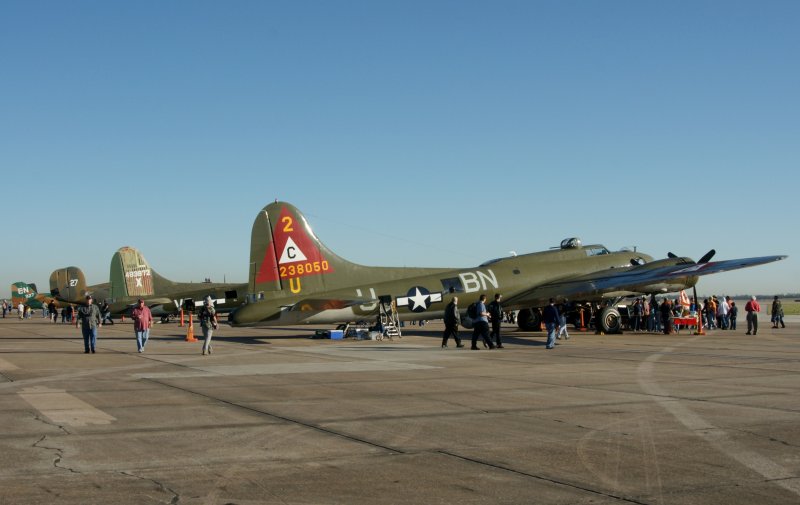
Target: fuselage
424 296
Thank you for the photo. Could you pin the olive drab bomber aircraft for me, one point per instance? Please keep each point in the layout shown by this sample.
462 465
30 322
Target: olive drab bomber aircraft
131 278
294 278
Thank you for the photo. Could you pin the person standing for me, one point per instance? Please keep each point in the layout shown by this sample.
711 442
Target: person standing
208 321
89 317
496 313
777 313
105 312
666 316
637 315
655 308
480 325
752 308
142 322
5 308
722 314
562 323
451 321
51 308
732 315
711 313
552 322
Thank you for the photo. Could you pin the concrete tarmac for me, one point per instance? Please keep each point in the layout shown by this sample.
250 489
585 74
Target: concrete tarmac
273 417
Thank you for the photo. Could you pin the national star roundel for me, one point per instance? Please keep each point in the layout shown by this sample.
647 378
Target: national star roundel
418 299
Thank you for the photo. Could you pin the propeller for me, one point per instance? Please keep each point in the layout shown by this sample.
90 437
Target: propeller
704 259
707 256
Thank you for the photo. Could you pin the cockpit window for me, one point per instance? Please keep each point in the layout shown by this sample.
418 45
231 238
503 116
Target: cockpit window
452 285
596 251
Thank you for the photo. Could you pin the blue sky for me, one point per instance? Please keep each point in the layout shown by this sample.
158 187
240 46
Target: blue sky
410 133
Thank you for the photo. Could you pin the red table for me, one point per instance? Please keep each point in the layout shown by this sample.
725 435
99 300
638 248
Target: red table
684 321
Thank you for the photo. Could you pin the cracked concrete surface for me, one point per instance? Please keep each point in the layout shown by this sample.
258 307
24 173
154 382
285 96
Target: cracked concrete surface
273 417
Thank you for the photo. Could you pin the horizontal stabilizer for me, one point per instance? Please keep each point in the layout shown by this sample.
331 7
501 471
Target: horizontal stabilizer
320 304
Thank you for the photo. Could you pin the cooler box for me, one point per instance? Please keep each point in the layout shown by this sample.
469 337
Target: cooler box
337 334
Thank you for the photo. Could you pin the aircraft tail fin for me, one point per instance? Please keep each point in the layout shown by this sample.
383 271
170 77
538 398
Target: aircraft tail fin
22 292
132 276
68 284
286 255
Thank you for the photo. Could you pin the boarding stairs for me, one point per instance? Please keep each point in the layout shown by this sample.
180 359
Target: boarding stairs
389 318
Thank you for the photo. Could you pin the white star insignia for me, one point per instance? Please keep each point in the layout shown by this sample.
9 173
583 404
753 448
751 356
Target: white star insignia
419 300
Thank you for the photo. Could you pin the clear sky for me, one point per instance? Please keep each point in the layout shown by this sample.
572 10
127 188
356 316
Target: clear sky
418 133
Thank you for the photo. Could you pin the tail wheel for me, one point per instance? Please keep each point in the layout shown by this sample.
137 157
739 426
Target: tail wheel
610 320
529 320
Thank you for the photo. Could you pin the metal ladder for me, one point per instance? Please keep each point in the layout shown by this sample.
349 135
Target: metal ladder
390 319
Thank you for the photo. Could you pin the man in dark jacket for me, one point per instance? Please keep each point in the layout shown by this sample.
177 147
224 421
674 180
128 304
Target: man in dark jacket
496 313
552 322
451 321
89 316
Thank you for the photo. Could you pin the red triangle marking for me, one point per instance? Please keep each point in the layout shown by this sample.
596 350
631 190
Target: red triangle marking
290 226
268 271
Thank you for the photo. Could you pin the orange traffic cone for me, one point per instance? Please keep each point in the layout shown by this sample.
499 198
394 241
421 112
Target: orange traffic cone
583 325
700 330
181 325
190 331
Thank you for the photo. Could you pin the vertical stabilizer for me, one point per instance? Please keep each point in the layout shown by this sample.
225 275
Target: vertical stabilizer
285 255
68 284
131 275
22 292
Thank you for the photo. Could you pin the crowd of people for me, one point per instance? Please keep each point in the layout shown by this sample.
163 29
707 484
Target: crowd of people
644 315
651 315
712 314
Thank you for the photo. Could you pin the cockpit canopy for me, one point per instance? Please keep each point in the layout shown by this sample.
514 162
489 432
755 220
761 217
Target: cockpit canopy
571 243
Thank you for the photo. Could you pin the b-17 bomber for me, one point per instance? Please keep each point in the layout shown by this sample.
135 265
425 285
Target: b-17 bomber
295 279
131 278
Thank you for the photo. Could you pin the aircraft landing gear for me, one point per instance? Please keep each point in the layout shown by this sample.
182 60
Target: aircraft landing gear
608 320
529 320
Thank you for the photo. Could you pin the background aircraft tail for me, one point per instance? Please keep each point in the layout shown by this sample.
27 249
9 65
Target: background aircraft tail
68 284
132 276
285 255
22 292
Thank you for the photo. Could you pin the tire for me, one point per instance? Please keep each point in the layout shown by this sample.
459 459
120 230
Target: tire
609 320
529 320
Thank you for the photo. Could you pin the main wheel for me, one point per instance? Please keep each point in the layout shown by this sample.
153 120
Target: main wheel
609 320
529 320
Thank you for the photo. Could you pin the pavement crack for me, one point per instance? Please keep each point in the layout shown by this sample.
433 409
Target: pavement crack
50 423
59 455
176 497
766 437
542 478
298 422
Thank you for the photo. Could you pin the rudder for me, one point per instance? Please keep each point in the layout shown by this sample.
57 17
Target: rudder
131 275
68 284
285 255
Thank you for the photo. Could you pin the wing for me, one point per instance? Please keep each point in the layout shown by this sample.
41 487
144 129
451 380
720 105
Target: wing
663 276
